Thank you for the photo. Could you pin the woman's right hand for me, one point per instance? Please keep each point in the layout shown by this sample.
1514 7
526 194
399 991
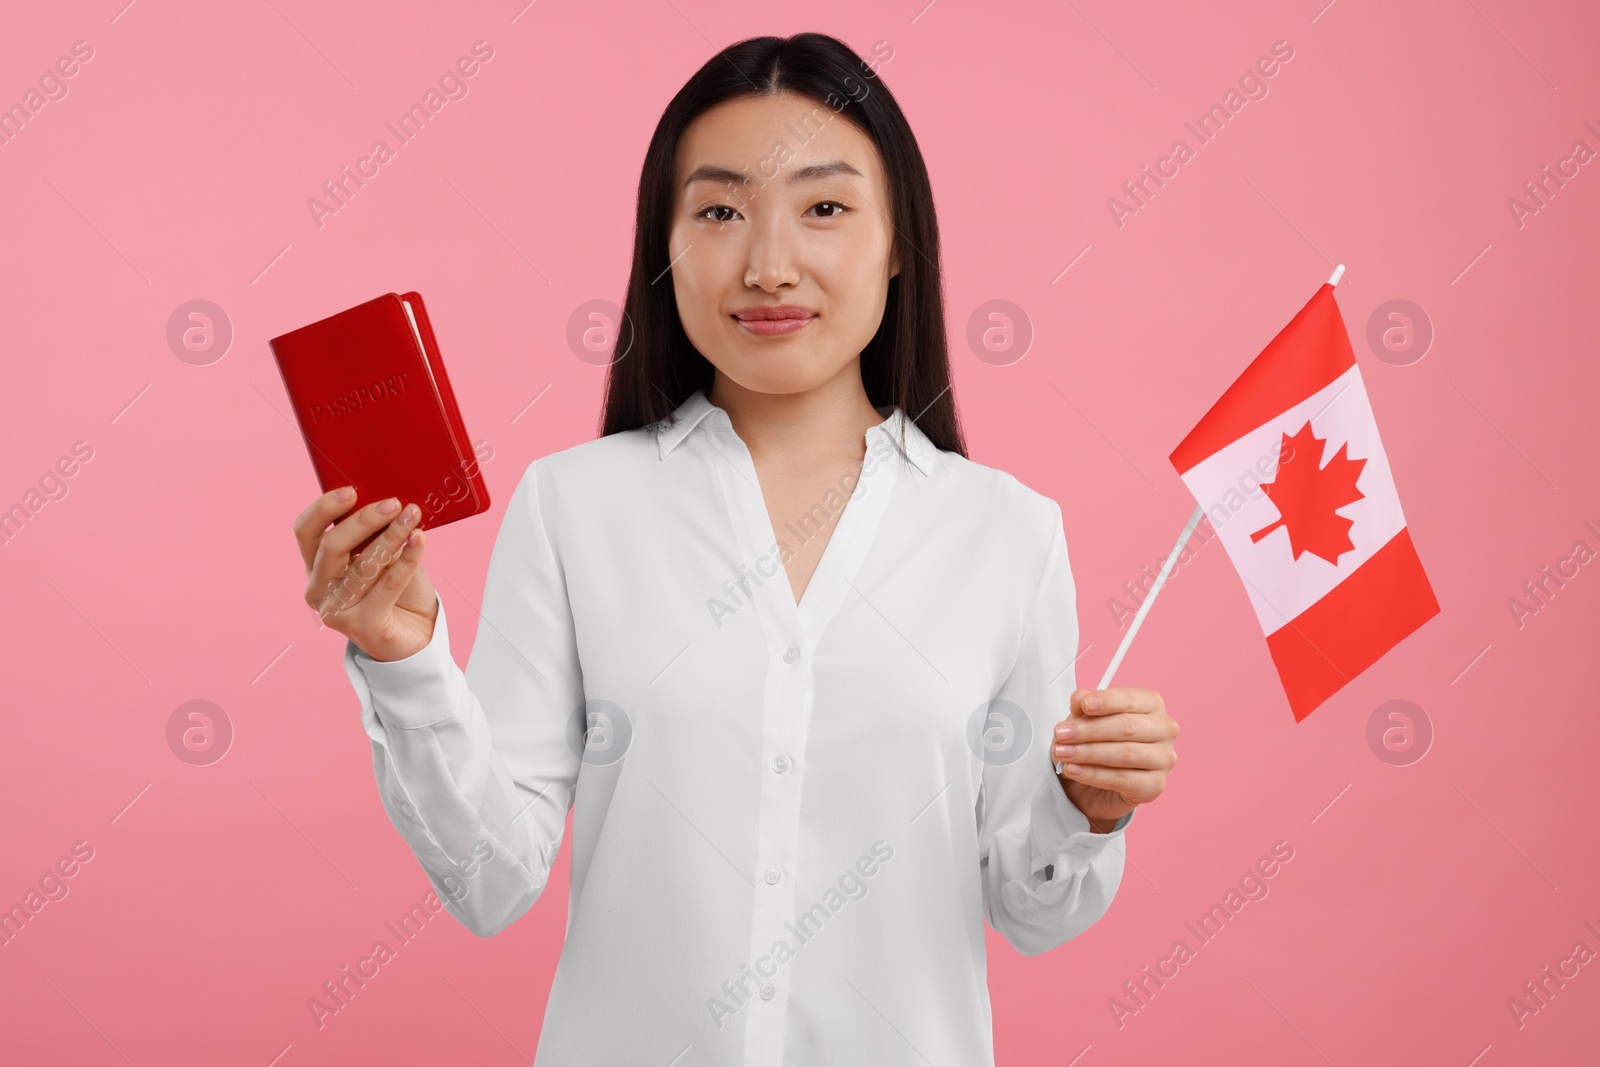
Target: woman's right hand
380 598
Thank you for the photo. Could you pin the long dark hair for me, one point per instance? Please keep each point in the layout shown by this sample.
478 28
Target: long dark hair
907 361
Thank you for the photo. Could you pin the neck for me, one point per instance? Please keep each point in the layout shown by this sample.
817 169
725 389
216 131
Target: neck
802 429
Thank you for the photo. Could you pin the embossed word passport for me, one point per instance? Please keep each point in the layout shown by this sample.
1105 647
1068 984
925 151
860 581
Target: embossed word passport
376 409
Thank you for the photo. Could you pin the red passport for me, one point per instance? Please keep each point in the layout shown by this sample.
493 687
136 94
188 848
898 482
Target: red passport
376 410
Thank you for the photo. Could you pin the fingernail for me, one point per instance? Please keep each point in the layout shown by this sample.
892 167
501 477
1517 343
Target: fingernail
1073 768
1091 703
344 494
1067 731
410 514
389 507
1064 751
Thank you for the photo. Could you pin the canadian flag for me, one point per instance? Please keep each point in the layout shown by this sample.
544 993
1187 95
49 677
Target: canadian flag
1288 467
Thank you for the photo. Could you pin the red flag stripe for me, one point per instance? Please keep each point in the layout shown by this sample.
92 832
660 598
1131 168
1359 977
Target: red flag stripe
1361 618
1308 353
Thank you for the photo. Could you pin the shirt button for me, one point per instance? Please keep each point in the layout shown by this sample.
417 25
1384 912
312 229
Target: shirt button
773 875
791 654
768 991
780 763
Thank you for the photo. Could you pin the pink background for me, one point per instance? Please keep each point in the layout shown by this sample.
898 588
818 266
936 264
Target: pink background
219 898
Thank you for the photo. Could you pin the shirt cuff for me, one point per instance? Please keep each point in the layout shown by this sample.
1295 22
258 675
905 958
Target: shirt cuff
1060 829
416 691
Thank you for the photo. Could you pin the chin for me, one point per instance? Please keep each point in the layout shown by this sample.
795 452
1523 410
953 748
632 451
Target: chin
762 373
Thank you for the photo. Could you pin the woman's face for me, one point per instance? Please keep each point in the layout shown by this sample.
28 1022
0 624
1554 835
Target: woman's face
780 202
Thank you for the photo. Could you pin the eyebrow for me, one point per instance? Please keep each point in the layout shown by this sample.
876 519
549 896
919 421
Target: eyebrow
729 176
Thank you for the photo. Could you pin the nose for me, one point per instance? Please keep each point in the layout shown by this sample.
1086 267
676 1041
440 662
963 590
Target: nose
773 256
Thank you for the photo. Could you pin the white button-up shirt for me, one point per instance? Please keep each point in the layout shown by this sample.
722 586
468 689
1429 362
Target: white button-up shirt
789 821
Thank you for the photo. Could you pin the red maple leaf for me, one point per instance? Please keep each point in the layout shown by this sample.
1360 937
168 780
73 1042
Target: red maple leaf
1307 495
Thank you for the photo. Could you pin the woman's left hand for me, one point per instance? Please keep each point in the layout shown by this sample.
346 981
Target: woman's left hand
1115 748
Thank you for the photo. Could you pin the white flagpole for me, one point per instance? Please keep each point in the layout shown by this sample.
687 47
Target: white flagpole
1144 608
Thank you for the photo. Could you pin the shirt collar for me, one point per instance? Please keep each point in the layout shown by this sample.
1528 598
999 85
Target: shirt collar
921 451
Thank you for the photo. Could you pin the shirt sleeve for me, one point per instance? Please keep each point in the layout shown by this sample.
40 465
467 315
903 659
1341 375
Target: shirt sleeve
1046 875
477 769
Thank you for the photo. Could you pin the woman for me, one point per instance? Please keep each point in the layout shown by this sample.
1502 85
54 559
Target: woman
799 668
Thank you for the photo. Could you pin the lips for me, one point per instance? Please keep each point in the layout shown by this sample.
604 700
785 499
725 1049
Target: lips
781 321
772 314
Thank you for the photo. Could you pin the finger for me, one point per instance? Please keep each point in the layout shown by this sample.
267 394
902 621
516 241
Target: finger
335 545
1118 698
1127 783
367 568
385 591
1137 755
1122 726
310 523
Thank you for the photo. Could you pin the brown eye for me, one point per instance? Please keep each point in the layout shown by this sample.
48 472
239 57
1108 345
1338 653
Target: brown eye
703 212
840 208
